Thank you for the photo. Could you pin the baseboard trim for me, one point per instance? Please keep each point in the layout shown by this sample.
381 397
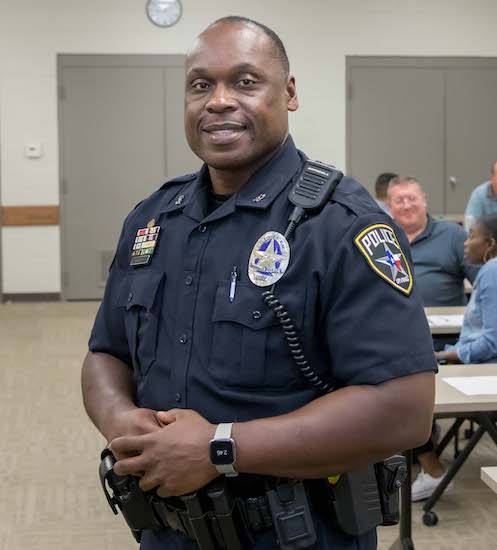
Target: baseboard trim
32 297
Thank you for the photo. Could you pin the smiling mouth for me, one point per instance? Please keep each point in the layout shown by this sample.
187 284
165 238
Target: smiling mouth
223 134
224 127
225 131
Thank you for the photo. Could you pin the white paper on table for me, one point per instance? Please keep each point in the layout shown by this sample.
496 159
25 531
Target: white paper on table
474 385
441 321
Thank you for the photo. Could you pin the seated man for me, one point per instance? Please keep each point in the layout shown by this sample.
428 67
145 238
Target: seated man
437 246
381 190
483 200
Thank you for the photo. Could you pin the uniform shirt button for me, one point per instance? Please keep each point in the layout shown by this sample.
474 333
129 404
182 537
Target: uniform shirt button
178 397
202 229
256 314
183 338
130 296
188 280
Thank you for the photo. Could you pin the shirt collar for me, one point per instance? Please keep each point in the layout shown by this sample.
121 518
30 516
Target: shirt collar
267 183
196 189
259 192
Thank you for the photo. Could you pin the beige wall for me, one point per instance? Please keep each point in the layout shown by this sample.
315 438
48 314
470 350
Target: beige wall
318 35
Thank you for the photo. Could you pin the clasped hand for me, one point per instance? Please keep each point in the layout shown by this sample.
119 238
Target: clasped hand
174 459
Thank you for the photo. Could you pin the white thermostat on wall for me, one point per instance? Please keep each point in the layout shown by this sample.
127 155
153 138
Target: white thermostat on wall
164 13
33 150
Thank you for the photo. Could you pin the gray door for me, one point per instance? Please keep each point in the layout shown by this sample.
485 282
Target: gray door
434 118
121 136
396 125
471 132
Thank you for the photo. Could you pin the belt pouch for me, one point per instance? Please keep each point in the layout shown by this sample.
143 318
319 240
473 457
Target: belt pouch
199 521
292 518
230 517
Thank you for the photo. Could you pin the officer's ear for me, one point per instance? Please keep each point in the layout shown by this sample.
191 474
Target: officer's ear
291 90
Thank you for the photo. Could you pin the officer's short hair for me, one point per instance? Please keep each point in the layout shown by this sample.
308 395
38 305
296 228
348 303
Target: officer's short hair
402 180
381 184
279 48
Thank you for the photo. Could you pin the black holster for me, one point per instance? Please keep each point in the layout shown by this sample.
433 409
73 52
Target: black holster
135 505
366 498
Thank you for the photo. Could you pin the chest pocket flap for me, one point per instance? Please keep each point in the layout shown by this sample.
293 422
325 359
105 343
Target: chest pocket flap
140 289
248 350
247 308
140 296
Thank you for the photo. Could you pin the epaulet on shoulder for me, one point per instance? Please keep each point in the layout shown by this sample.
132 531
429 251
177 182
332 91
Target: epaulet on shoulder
180 179
354 196
168 185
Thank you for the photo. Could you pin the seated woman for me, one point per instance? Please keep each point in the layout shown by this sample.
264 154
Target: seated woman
478 340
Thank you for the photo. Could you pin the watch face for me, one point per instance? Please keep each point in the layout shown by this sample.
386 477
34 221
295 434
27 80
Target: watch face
222 452
164 13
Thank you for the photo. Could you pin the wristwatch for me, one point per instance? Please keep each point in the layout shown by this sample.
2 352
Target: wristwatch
223 450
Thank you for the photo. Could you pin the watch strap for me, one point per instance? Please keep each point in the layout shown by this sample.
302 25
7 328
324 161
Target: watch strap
223 430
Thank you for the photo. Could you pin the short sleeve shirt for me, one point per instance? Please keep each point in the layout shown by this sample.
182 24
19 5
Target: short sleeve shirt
190 345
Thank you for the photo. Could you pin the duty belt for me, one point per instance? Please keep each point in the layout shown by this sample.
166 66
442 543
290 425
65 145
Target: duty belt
226 514
216 517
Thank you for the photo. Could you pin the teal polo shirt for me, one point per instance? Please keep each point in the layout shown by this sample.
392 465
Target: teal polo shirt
439 264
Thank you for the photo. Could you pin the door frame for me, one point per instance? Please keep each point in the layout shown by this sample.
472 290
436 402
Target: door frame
65 61
1 221
407 62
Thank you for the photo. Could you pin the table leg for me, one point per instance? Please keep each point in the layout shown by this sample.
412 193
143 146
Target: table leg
454 468
488 421
449 435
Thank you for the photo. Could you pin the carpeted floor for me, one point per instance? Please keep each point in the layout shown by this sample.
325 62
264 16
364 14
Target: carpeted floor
50 497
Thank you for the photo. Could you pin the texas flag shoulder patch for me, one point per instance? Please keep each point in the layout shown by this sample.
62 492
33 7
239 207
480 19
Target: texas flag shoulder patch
380 246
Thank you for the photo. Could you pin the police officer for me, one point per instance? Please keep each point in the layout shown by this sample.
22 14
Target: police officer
183 341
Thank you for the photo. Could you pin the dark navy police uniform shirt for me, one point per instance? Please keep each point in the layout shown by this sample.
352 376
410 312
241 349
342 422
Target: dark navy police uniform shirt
172 321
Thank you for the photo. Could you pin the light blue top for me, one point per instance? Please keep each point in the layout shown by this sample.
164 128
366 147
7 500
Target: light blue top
482 202
478 340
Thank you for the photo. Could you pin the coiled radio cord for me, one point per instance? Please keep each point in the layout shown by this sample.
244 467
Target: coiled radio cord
286 322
